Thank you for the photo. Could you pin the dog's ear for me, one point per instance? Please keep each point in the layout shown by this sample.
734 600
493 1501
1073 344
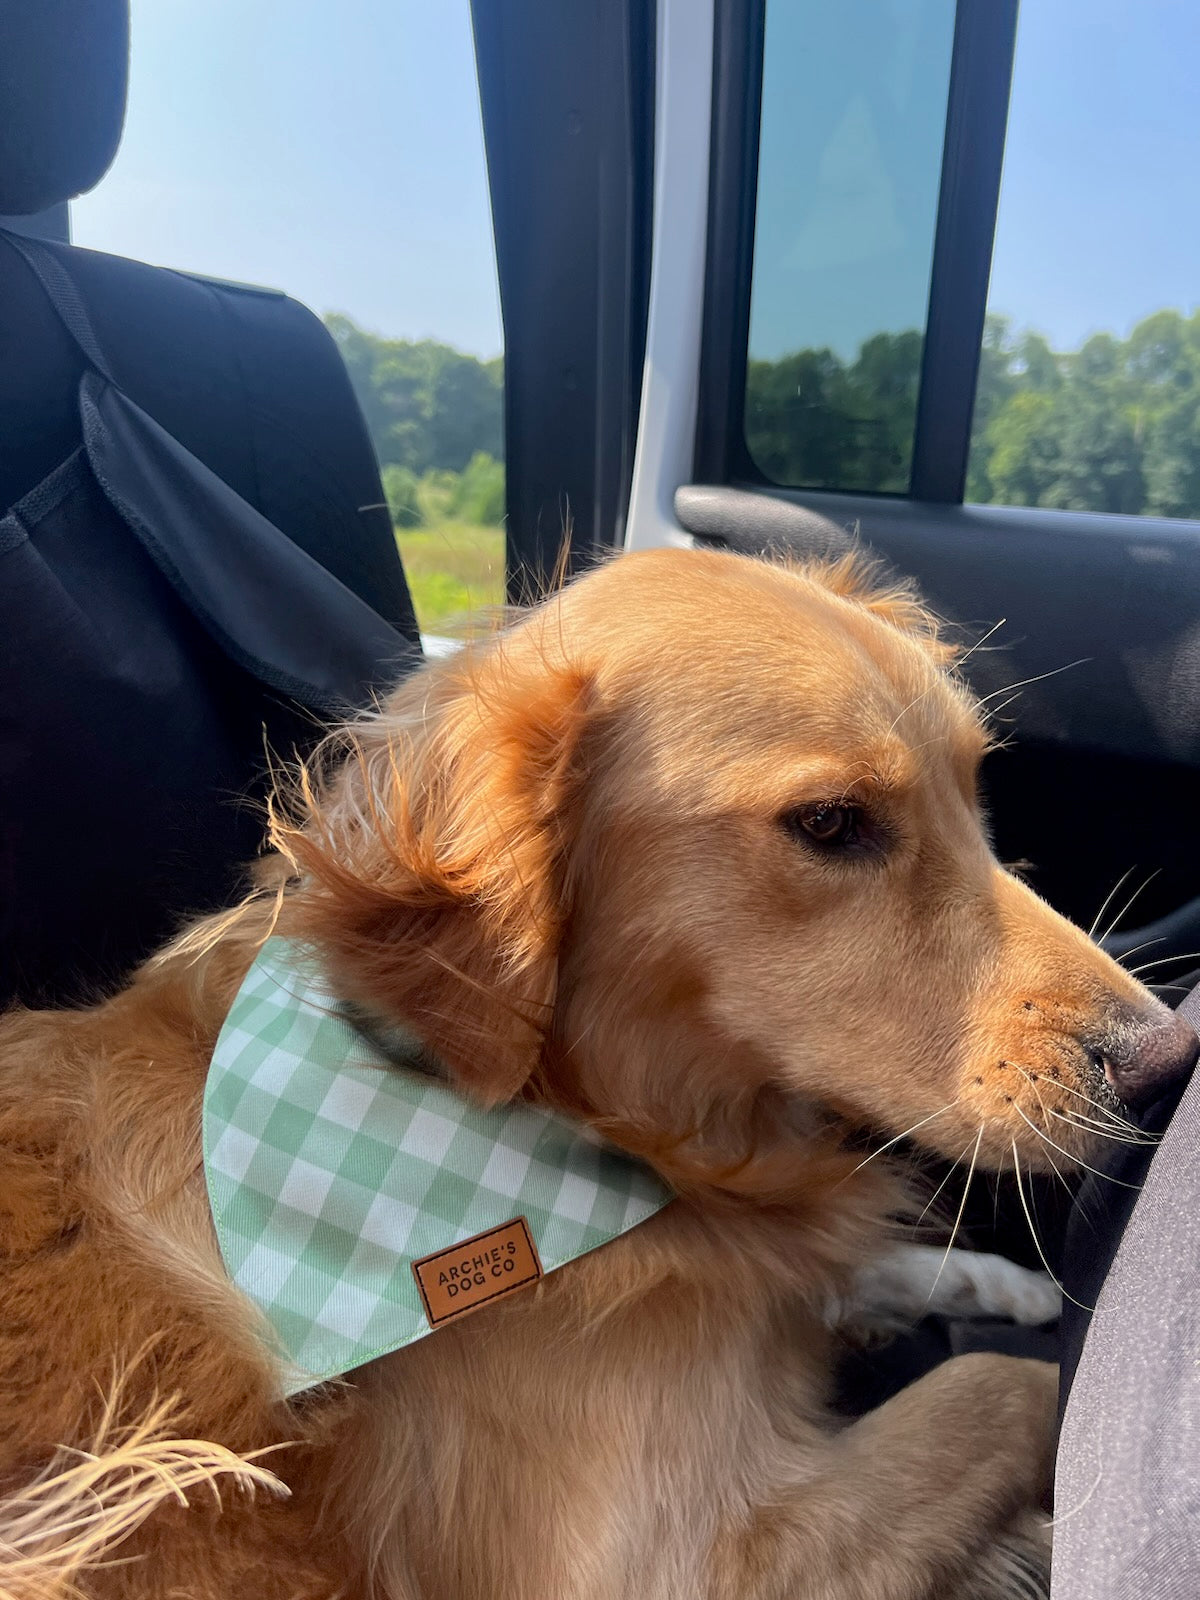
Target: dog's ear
432 859
857 577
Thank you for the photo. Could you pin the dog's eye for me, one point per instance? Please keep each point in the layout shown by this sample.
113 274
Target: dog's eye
834 827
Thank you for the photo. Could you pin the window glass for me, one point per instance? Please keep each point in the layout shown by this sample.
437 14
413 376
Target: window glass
333 148
1089 385
853 125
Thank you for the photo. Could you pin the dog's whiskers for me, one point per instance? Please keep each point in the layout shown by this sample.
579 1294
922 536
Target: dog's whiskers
1075 1160
1128 905
1162 961
1046 1111
1023 683
1108 900
993 712
1037 1243
897 1139
1031 1081
1054 1166
980 642
929 1204
1122 1124
1145 945
1084 1124
1103 1113
1078 1120
912 704
961 1210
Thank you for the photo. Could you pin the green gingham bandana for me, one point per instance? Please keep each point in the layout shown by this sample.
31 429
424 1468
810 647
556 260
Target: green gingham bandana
331 1169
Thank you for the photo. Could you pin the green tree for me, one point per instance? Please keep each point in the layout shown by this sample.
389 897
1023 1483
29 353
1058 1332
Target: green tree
1113 426
1037 367
1020 450
993 387
437 493
479 496
811 420
797 417
883 384
1100 457
1172 459
1161 352
400 488
1100 467
426 405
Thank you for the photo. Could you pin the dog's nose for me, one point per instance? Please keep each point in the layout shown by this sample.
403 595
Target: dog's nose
1151 1056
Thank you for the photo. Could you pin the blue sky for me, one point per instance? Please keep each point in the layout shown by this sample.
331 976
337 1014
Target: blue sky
1098 224
1100 206
333 148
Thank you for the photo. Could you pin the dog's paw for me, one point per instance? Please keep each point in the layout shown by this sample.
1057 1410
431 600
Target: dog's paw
981 1285
912 1281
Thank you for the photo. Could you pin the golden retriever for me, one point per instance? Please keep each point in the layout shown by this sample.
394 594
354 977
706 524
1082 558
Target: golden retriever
693 854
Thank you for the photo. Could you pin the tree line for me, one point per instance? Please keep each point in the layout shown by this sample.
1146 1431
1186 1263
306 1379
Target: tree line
436 418
1112 426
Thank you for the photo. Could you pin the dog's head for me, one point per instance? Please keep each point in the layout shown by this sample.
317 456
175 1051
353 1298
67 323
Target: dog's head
695 851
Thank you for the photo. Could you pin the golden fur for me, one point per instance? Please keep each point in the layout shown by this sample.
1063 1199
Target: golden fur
559 857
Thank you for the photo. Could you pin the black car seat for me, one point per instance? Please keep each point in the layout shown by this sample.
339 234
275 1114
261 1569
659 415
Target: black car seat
197 565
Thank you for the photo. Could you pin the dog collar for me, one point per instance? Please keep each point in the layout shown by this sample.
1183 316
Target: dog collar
361 1203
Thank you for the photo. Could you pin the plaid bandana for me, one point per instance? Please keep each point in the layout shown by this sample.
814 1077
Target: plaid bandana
334 1170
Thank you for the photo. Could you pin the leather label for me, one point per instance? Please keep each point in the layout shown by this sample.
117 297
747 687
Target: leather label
477 1271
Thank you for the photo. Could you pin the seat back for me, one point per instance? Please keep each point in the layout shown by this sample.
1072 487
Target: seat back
197 564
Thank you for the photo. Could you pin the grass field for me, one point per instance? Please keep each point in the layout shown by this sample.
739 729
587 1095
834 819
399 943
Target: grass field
453 569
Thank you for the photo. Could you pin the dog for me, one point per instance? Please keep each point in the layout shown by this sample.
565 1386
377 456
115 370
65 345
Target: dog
691 857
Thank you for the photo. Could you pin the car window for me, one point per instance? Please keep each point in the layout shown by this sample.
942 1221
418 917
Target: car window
1089 384
1088 393
850 155
336 151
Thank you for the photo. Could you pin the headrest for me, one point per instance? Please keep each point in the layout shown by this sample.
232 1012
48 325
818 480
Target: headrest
64 67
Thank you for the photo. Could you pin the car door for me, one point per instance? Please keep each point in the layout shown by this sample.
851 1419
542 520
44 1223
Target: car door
818 338
793 206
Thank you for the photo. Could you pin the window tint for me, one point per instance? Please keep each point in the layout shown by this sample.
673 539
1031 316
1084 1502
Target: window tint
853 124
1089 385
333 148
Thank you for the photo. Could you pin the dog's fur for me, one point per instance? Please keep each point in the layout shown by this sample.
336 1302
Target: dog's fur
559 856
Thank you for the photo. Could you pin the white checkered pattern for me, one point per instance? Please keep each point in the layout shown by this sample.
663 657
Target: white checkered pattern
331 1169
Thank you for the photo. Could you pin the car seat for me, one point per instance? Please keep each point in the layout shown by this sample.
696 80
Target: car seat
197 565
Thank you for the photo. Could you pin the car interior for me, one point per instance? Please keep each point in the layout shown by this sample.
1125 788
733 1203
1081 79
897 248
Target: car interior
199 561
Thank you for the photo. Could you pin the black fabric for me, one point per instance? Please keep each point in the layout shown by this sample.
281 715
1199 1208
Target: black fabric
1126 1502
866 1377
321 644
63 75
158 632
247 380
1096 1226
39 381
